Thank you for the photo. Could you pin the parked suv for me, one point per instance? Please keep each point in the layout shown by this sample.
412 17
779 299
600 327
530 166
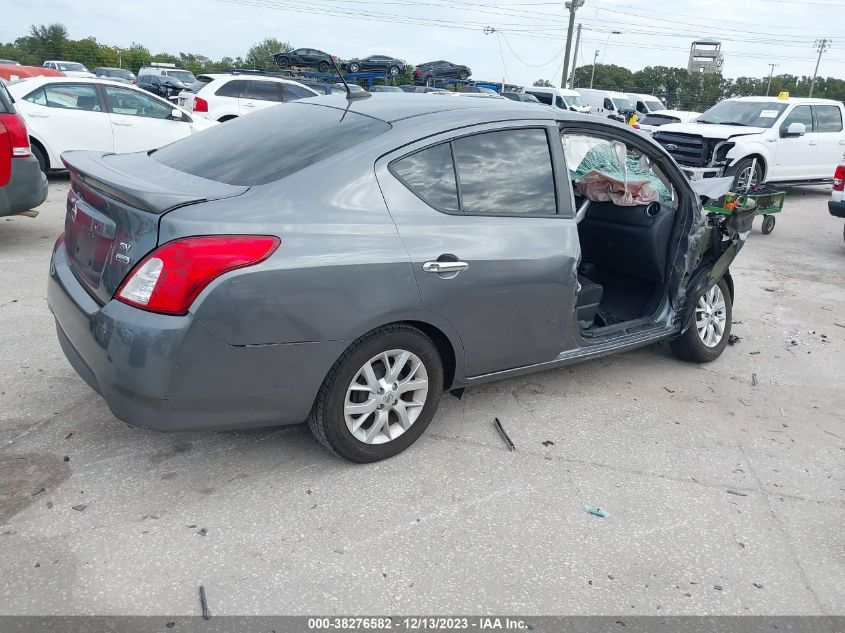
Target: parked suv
70 69
168 70
795 141
161 85
117 74
23 186
305 58
226 97
426 74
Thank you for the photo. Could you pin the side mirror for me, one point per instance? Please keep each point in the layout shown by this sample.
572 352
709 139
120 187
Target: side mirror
794 130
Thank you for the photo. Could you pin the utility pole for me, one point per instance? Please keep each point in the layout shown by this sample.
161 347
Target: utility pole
822 44
575 57
573 6
593 74
772 72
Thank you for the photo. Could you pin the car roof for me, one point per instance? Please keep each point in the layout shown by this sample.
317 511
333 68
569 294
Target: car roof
41 81
790 100
391 108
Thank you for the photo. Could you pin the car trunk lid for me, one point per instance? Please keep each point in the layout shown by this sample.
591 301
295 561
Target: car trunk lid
114 206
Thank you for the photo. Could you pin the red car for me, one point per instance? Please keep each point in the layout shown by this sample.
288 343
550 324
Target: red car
23 186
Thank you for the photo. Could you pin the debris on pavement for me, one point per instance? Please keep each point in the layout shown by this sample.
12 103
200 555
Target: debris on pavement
206 614
839 324
733 339
66 458
669 390
757 584
202 531
717 587
80 508
69 435
49 504
35 493
737 493
596 512
754 380
548 443
507 440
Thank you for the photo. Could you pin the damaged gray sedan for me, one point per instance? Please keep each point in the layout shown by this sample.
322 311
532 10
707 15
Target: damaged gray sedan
346 262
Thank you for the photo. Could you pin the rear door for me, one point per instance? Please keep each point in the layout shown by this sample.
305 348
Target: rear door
259 95
68 116
140 121
493 244
831 139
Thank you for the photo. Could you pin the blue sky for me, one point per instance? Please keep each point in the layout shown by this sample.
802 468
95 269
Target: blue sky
526 45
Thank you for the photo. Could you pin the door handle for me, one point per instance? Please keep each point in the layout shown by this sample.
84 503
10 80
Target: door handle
842 141
39 115
813 143
444 267
122 123
249 104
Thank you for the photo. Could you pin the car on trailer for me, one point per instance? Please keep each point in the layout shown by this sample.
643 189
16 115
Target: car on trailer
430 72
305 58
375 63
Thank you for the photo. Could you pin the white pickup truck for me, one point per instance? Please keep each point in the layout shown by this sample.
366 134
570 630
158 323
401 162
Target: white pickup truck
795 140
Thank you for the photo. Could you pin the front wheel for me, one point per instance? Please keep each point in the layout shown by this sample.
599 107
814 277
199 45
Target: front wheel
323 67
768 224
283 62
708 335
742 172
394 71
354 68
380 396
463 75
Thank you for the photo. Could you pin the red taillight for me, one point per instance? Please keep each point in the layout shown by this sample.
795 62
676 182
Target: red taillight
172 276
636 126
200 104
417 72
18 136
839 178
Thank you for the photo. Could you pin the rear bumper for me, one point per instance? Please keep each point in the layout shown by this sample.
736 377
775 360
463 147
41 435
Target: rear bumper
836 208
27 188
172 373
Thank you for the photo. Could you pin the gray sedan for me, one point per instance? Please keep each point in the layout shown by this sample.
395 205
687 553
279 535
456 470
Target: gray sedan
345 262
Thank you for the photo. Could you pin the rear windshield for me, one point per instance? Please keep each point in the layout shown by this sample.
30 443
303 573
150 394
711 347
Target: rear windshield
270 144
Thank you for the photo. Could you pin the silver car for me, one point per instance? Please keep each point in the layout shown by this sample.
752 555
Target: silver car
346 262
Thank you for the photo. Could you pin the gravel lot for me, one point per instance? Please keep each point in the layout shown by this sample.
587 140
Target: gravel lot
456 524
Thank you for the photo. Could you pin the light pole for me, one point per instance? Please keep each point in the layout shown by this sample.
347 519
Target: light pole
573 6
607 41
772 72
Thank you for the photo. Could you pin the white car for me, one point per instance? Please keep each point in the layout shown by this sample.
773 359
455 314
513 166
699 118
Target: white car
232 95
65 113
767 139
70 69
650 122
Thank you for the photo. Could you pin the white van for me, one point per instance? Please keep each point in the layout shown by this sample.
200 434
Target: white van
559 98
608 103
645 104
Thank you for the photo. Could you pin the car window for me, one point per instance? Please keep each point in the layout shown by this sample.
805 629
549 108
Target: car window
133 103
430 174
560 103
265 90
829 118
294 92
598 159
234 88
801 114
269 144
71 97
505 173
37 96
543 97
608 104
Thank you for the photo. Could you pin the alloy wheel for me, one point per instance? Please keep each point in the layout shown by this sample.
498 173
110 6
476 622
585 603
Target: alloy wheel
386 396
744 176
710 316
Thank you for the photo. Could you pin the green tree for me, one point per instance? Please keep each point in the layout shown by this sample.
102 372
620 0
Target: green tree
543 83
608 77
260 55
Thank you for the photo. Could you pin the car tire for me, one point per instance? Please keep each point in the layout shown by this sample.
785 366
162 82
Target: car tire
393 71
740 172
40 157
323 67
462 75
354 68
694 345
768 224
429 81
284 62
380 432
